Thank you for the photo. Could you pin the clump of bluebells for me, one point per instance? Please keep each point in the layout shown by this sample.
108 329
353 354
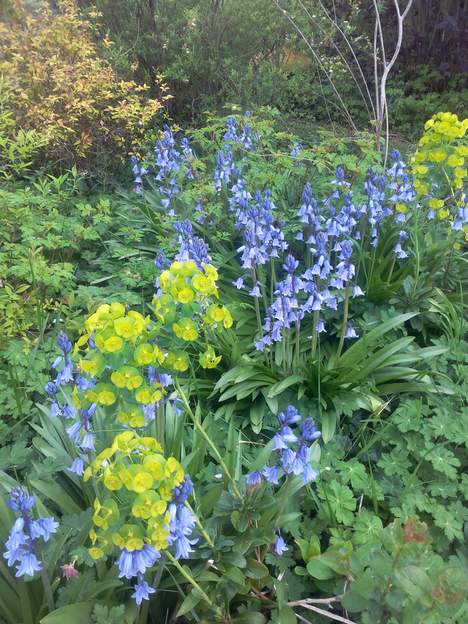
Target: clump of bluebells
317 272
291 454
23 545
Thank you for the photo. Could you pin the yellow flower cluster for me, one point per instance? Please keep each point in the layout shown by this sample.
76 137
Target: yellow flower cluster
136 468
120 344
439 167
185 305
186 283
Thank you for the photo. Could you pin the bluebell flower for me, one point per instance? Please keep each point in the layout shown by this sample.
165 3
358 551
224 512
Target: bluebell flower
64 343
82 383
320 326
289 416
181 525
271 474
255 291
44 527
28 565
238 283
142 591
279 547
20 501
21 543
135 562
182 491
161 260
309 432
51 388
138 174
191 247
296 150
87 443
461 219
77 466
350 331
254 478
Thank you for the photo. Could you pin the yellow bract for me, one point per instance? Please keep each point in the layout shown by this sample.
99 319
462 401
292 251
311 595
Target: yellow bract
145 479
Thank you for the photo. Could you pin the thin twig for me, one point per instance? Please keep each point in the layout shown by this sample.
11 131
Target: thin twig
331 616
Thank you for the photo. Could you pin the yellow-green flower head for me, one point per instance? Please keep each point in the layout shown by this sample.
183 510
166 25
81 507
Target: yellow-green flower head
105 514
144 479
133 417
102 393
149 394
127 377
129 536
104 316
93 365
218 314
164 308
209 359
178 361
146 354
185 329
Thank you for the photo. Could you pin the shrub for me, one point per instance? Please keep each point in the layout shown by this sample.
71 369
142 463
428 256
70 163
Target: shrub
61 89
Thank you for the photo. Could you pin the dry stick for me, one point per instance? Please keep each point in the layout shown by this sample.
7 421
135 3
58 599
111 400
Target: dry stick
319 62
301 603
331 616
340 54
388 66
348 43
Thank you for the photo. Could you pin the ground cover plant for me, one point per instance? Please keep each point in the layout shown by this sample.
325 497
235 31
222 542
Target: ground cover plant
264 440
233 353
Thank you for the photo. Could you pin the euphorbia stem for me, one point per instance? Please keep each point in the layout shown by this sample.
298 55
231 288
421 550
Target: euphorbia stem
160 425
202 530
345 321
210 443
190 579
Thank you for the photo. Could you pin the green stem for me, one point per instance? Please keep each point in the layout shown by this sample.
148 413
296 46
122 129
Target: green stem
315 320
257 304
160 425
143 617
391 269
210 443
345 321
47 590
189 579
202 530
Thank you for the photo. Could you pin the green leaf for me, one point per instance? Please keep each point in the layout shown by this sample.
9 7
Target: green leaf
281 386
328 422
256 570
78 613
287 616
319 570
189 603
250 617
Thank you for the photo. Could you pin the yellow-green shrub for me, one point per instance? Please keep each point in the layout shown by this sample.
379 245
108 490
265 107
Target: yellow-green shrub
60 87
439 166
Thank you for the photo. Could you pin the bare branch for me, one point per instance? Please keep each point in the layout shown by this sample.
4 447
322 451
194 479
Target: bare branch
319 62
